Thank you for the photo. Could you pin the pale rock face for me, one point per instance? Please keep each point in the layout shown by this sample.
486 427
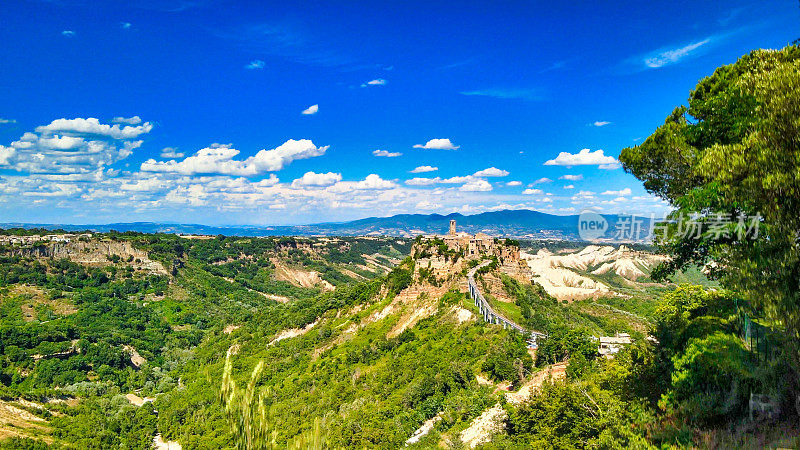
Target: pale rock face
625 268
557 272
95 253
300 277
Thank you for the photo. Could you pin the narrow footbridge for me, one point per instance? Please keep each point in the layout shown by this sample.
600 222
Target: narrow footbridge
490 315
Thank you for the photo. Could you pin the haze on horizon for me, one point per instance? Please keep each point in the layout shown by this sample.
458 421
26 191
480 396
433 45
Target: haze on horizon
221 113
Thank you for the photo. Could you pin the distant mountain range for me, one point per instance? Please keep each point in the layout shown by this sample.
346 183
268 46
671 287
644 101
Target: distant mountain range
526 224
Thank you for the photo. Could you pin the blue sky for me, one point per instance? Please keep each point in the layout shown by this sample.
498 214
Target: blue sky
193 111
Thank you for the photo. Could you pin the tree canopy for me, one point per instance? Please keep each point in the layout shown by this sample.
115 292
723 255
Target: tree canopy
730 163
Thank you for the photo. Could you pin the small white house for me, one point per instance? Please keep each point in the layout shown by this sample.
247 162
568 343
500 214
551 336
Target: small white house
609 345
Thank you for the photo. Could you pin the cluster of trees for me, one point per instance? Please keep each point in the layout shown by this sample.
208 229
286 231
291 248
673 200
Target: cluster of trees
427 247
694 374
730 155
81 348
509 359
258 274
16 231
65 275
727 157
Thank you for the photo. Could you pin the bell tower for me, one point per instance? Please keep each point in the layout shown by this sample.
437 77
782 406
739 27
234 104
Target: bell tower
452 227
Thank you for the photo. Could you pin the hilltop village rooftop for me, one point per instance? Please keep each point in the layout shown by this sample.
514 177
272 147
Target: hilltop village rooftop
474 246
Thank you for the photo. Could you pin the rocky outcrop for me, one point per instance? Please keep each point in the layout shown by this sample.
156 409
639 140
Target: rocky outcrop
299 277
94 253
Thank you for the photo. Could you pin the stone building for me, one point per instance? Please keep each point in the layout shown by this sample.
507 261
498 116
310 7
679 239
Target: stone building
479 244
463 247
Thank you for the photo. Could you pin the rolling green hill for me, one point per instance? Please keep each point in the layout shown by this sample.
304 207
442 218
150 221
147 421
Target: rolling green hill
112 340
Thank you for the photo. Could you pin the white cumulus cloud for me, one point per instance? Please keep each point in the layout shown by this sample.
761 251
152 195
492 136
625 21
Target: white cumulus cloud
375 82
94 127
491 172
585 157
514 183
423 181
135 120
171 153
626 191
317 179
542 180
477 185
311 110
218 159
601 123
423 169
438 144
532 192
6 154
374 181
72 146
571 177
386 153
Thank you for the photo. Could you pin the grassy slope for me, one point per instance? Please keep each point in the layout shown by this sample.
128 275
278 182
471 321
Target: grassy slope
197 304
367 389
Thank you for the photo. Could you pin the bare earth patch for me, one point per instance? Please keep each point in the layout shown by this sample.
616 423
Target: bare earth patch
423 430
483 380
277 298
416 303
556 272
555 372
562 282
463 315
138 401
299 277
231 328
17 422
481 429
493 285
96 253
293 332
160 444
136 359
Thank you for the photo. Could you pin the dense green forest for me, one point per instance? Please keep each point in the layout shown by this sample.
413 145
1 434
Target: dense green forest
231 342
67 330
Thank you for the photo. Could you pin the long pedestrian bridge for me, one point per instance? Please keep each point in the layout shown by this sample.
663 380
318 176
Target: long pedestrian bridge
491 316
